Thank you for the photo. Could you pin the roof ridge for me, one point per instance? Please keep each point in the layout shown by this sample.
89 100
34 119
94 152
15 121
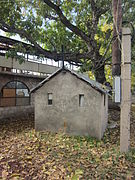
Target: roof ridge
92 83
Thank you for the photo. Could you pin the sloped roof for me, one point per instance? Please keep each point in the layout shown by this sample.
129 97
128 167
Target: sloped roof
82 77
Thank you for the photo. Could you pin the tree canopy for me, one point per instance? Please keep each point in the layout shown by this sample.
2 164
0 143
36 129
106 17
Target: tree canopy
83 26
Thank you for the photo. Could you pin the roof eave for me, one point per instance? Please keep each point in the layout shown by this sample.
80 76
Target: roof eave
72 72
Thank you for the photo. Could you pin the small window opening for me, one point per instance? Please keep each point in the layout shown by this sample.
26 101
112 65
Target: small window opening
49 98
81 100
104 99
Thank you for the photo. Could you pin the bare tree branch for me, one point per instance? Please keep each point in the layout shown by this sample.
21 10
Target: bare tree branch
8 44
67 23
12 29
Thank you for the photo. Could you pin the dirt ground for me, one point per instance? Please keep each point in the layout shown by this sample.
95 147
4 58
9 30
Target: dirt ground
26 154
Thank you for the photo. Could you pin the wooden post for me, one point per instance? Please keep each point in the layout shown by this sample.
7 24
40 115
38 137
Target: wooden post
125 90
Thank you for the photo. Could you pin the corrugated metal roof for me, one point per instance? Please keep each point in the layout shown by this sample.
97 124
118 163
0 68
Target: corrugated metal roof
92 83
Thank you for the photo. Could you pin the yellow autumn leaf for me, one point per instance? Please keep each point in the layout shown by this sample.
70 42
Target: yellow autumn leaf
28 158
106 27
15 176
4 175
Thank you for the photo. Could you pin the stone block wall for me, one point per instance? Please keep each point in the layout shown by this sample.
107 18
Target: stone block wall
16 111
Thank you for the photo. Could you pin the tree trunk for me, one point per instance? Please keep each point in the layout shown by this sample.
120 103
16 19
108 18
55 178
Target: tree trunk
100 75
117 24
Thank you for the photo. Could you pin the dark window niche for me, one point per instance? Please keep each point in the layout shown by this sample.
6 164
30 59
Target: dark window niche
49 98
81 100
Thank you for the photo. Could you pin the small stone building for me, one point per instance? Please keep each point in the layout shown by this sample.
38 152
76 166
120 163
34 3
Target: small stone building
72 103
